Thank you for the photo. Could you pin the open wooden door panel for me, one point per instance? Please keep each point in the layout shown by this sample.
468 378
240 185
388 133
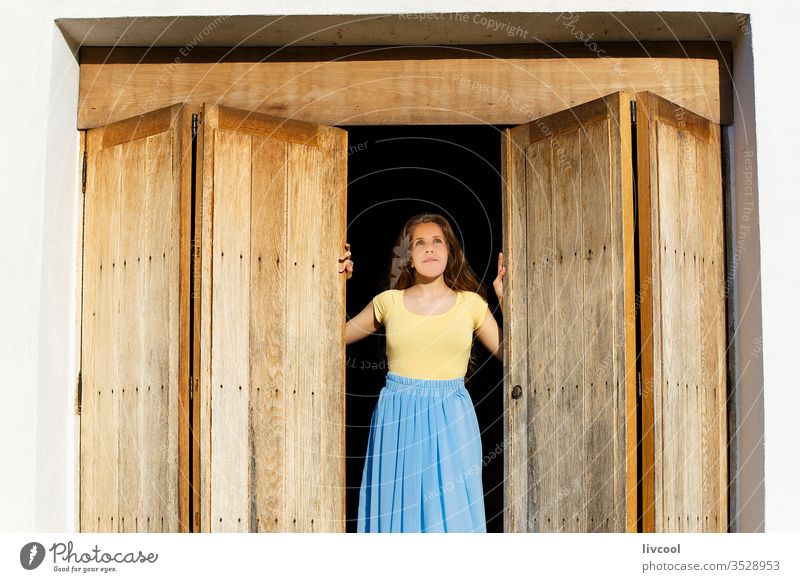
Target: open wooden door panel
272 337
681 240
134 366
569 308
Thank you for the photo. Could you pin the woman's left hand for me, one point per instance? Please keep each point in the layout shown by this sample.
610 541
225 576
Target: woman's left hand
498 282
348 262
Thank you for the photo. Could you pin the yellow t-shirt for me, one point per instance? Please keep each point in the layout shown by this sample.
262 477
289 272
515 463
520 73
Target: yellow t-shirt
433 347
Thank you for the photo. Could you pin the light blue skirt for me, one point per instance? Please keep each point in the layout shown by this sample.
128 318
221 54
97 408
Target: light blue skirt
422 471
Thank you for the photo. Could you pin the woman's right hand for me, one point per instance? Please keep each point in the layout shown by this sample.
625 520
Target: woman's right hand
498 282
348 264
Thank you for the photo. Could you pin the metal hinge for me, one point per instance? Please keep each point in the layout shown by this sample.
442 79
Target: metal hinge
633 112
194 125
191 388
83 173
80 392
639 383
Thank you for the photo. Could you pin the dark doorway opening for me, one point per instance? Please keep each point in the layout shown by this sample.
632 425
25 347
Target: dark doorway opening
393 173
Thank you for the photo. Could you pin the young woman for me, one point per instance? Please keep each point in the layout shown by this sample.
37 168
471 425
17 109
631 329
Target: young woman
424 460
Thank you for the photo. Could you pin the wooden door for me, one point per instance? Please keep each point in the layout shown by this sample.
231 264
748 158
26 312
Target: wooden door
681 238
272 337
133 386
569 312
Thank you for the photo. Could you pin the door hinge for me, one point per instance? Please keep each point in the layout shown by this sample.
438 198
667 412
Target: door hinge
639 383
191 388
79 396
194 125
633 112
83 173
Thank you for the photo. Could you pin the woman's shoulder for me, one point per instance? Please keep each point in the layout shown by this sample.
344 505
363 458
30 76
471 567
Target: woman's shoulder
388 296
473 297
383 302
476 306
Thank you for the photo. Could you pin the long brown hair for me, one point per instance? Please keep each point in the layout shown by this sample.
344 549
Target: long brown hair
458 275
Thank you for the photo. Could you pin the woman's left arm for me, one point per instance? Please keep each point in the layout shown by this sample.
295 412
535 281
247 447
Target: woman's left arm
489 333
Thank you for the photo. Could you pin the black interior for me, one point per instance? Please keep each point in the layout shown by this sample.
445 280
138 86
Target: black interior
393 173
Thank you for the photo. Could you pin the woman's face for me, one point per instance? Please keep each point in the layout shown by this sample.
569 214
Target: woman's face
428 249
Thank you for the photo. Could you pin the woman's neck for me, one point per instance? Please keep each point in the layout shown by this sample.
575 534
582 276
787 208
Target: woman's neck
428 287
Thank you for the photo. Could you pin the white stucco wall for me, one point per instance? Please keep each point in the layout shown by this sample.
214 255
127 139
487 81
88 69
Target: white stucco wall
38 226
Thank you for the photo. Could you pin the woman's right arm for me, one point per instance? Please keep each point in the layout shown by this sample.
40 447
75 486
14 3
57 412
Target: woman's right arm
361 325
364 323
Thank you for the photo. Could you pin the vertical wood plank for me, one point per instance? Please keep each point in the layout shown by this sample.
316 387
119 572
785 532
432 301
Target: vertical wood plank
570 349
95 318
160 393
208 261
333 194
690 434
133 340
106 460
597 205
649 299
713 403
669 213
625 306
540 336
230 314
515 359
304 370
268 334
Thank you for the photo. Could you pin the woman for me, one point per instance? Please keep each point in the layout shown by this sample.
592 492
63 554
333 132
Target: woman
423 464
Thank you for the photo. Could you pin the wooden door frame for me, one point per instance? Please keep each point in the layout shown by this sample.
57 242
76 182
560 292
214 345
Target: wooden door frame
506 84
128 55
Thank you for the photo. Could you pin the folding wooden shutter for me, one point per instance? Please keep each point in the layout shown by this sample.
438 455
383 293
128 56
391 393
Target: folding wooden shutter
134 324
272 339
570 424
681 241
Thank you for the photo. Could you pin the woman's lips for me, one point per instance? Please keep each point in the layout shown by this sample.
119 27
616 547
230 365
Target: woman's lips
429 260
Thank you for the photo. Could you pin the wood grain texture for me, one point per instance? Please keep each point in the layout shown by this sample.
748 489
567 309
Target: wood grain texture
568 367
577 262
601 322
333 389
501 84
680 194
268 342
542 430
649 313
516 468
134 198
209 128
132 316
274 426
230 379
